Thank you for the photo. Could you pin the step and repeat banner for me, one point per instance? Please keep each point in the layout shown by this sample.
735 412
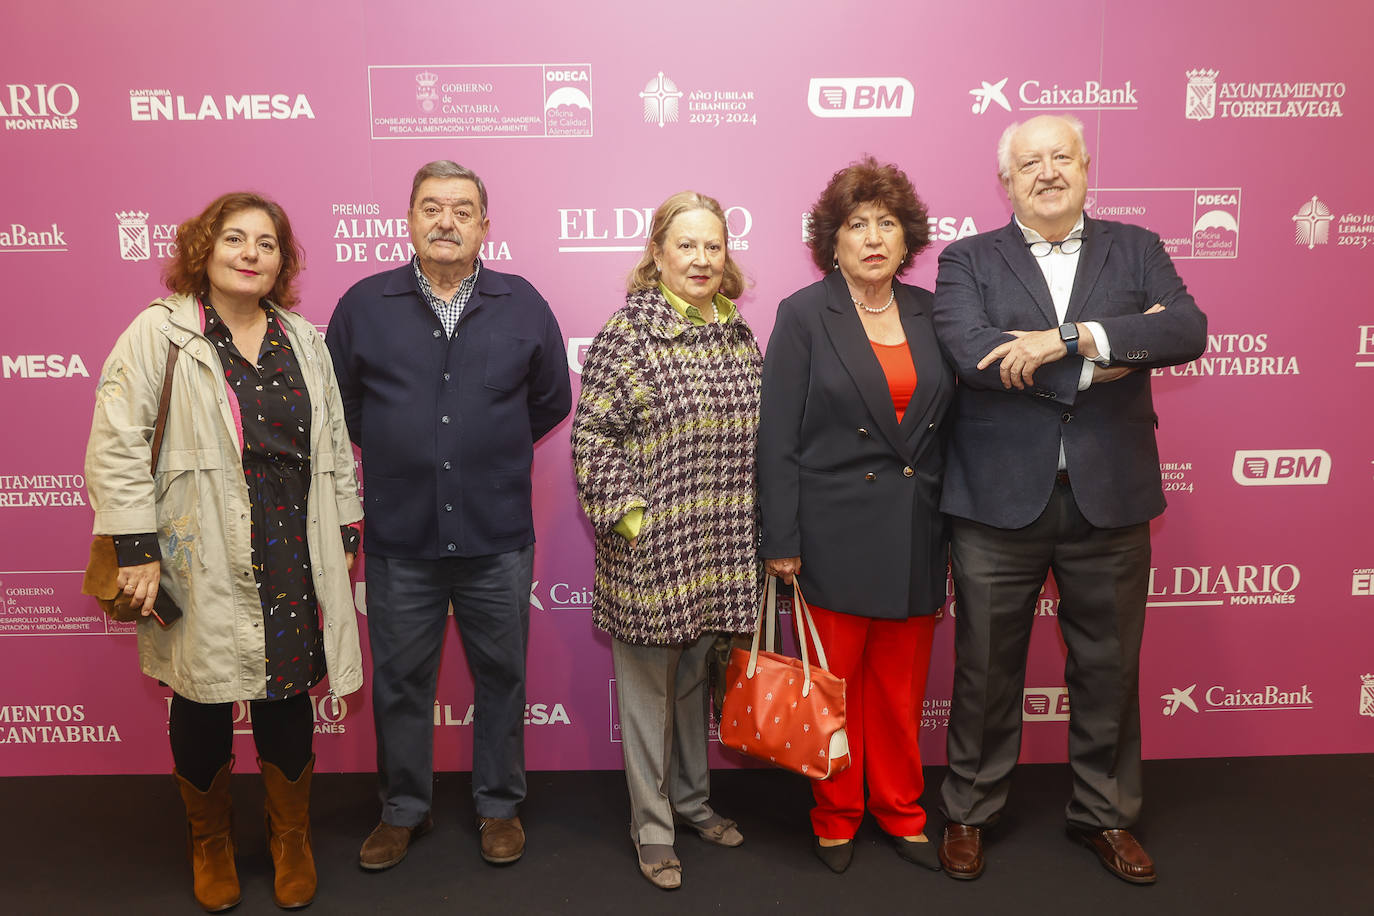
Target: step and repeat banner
1236 130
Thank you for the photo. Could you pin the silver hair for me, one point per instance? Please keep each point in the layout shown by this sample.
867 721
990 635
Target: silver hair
447 168
1004 163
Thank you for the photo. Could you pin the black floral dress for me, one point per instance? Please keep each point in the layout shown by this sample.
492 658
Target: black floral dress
274 408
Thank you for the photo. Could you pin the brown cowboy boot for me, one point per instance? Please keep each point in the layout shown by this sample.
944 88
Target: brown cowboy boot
288 835
210 840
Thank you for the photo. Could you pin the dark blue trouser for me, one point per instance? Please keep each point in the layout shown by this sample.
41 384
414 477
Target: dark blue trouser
407 611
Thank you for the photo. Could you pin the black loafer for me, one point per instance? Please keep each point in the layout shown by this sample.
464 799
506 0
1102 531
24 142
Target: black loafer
836 858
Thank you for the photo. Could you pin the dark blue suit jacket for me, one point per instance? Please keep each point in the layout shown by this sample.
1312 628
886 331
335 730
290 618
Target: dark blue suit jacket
447 426
1004 449
842 484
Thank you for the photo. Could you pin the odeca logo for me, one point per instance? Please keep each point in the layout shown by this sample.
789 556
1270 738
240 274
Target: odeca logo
1281 467
861 97
1220 698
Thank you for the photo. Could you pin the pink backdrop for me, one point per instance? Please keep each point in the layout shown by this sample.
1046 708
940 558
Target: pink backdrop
1229 128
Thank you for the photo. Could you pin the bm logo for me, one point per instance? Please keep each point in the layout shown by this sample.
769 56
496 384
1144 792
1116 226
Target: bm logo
1281 467
861 97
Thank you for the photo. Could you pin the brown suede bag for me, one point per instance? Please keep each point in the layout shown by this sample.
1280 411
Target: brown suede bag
101 581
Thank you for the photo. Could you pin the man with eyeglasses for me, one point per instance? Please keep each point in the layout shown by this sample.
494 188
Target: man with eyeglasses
449 373
1053 323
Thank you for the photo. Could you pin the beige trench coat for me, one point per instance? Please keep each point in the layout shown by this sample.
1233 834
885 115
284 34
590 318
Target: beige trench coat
198 504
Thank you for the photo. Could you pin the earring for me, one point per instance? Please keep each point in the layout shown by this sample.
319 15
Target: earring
836 264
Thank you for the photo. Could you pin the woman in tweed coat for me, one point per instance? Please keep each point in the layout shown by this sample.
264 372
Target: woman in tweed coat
663 448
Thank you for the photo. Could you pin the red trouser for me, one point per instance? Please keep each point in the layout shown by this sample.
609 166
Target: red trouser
884 664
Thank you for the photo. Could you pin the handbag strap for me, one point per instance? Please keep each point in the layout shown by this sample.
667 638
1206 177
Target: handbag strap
163 403
767 616
800 609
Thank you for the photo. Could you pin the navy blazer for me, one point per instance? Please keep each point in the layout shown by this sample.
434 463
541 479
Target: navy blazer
447 426
841 483
1004 450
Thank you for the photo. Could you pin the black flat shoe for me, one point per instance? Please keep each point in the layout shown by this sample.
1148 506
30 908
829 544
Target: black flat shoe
926 855
836 858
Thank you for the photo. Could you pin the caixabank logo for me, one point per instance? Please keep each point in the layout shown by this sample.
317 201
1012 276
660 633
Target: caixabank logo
1227 698
1049 95
46 238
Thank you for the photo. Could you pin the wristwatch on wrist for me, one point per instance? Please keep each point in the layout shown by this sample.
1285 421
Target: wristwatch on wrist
1068 332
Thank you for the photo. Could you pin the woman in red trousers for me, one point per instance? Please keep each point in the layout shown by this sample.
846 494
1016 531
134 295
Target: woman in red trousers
850 462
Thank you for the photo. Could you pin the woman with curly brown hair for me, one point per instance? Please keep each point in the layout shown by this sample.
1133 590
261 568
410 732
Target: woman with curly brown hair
851 459
242 525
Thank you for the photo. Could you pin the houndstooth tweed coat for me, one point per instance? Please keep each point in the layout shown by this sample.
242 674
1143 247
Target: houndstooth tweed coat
667 421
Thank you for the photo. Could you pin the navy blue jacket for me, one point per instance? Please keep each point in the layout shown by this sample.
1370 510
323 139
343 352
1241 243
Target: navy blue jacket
447 426
1004 449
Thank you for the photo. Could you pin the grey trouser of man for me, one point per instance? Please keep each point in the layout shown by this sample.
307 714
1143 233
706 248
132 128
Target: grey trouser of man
407 611
661 692
1103 579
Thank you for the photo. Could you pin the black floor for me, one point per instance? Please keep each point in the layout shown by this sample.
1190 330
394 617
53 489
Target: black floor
1291 835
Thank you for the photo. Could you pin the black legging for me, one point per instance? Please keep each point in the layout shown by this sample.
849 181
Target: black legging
202 736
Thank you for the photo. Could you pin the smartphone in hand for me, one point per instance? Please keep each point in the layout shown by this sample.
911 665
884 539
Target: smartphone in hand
165 610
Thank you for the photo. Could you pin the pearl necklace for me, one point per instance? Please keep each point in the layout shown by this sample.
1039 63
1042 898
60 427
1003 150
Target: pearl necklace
878 311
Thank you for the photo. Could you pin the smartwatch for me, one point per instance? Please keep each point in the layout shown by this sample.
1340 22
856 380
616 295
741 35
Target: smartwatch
1068 332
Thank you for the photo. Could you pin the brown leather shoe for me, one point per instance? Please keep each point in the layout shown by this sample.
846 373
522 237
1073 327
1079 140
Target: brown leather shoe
388 844
288 835
503 839
210 841
961 851
1119 853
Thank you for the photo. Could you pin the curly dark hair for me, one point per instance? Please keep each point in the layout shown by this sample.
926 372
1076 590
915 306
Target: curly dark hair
185 273
867 181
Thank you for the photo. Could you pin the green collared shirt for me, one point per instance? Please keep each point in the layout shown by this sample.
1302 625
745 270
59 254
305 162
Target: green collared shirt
724 307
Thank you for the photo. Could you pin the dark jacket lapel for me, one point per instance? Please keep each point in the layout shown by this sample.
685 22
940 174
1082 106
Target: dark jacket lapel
847 335
1097 241
1012 244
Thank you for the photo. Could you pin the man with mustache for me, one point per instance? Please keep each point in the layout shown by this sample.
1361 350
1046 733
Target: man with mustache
1053 323
449 373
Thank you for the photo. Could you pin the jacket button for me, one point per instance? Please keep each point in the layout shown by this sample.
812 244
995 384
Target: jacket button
863 432
931 426
436 332
907 471
870 476
444 418
448 507
1067 416
452 546
448 465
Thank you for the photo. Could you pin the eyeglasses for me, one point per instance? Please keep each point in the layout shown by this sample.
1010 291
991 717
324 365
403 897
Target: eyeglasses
1042 248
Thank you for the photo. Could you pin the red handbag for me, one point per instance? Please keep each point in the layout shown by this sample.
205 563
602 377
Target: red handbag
782 710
